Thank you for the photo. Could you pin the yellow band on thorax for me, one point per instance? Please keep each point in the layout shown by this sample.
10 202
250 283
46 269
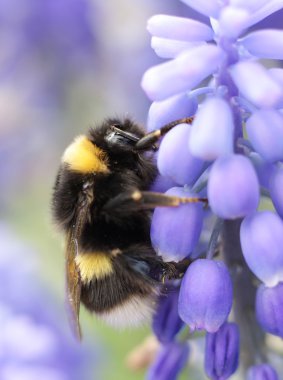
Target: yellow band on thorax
94 265
85 157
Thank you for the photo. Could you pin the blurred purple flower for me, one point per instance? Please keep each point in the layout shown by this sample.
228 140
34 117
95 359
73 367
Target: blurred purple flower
222 352
238 129
169 362
47 43
269 308
206 295
262 372
34 343
166 322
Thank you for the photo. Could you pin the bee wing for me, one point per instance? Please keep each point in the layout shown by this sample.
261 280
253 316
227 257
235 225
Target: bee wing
73 285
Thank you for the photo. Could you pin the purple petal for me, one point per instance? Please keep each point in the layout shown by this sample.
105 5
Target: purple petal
162 184
233 189
265 131
277 74
170 109
268 7
166 321
275 187
175 231
251 5
222 352
256 84
209 8
182 73
264 170
179 28
167 48
269 309
174 159
206 295
169 362
266 43
261 237
232 21
213 119
262 372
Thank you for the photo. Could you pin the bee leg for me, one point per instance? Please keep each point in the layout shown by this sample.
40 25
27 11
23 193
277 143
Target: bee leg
146 200
151 199
173 270
144 261
147 142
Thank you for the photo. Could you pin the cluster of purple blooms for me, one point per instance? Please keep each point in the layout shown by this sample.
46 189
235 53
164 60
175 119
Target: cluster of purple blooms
232 153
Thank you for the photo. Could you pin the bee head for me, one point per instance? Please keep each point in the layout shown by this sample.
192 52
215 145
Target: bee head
116 135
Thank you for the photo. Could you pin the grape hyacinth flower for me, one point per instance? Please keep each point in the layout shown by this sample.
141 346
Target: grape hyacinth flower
222 352
262 372
232 152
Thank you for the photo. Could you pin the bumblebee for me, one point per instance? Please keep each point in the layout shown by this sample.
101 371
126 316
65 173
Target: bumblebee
102 203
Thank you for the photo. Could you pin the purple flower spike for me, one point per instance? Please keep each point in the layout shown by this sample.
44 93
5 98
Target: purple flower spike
173 108
275 188
214 118
233 189
175 231
170 361
265 43
174 159
206 295
269 309
262 372
222 352
182 73
265 131
261 237
179 28
256 84
166 322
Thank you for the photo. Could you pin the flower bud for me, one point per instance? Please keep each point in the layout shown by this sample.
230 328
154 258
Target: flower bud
169 362
261 236
183 73
261 372
275 187
233 188
269 308
173 108
166 321
174 159
176 230
206 295
213 119
265 131
222 352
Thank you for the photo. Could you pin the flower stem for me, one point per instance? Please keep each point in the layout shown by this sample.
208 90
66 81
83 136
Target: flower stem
252 337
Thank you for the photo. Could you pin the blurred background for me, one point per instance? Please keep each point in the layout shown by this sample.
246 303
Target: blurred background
64 66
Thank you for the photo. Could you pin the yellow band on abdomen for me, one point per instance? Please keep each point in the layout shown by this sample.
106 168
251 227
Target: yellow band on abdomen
94 265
